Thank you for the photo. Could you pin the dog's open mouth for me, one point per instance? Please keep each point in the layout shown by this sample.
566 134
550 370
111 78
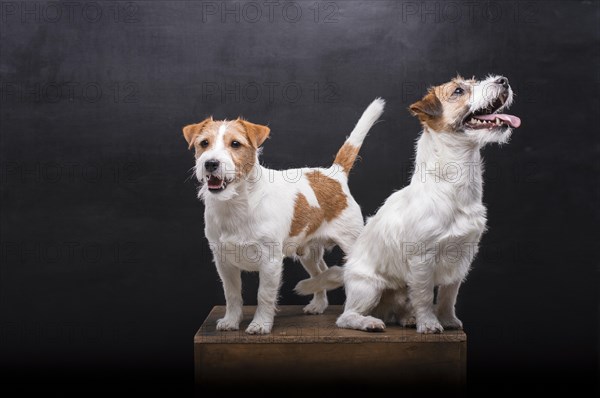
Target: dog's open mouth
215 184
487 118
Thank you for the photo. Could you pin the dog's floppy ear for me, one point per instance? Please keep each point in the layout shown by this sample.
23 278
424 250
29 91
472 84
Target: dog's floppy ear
192 130
429 107
257 134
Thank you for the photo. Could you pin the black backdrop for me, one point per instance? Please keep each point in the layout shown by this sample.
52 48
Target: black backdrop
105 272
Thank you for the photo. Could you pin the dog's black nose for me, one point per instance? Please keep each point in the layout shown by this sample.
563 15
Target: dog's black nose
211 165
502 81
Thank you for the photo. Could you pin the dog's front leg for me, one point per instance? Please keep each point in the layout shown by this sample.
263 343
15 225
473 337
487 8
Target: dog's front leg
268 288
232 286
420 292
445 308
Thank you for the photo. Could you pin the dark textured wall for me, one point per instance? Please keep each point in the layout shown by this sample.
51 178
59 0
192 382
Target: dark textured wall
105 272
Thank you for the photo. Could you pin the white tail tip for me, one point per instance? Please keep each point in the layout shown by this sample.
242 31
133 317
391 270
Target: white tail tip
367 120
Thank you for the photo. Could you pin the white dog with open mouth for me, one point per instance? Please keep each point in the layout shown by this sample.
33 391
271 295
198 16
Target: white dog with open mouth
255 217
426 234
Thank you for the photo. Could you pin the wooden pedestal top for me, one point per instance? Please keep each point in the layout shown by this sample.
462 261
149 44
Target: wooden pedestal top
293 326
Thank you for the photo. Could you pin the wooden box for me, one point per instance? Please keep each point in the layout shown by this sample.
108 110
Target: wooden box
311 349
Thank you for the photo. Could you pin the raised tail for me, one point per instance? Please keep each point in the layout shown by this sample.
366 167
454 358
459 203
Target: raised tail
331 278
349 151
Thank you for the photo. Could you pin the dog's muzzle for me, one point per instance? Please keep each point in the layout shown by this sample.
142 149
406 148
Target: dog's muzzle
215 183
488 117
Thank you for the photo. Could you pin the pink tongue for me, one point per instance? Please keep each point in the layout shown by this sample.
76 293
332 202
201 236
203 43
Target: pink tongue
511 120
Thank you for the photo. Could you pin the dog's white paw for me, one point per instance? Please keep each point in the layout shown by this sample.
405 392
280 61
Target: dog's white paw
227 324
429 325
372 324
315 307
259 327
350 320
451 322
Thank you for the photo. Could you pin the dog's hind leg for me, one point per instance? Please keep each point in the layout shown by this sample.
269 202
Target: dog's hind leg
386 308
314 264
406 314
394 307
445 307
347 239
362 296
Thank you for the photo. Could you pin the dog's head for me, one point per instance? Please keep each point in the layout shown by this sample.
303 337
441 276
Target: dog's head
226 152
470 107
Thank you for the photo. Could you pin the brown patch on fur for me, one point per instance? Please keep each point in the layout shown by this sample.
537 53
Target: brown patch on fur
306 218
257 134
346 156
208 132
332 202
441 109
244 156
430 111
193 130
329 194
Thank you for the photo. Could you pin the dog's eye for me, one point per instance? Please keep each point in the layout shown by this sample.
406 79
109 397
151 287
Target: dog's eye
235 144
204 143
459 91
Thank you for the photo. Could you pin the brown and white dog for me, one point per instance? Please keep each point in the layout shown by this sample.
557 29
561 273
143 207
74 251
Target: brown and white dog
254 216
428 233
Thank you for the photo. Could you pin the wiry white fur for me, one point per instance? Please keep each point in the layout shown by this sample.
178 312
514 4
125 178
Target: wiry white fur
423 236
248 230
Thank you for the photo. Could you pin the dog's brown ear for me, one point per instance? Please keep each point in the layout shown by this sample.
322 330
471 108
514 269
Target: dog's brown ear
192 130
429 107
257 134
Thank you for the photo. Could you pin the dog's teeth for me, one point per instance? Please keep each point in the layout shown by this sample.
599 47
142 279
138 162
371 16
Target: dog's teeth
497 122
